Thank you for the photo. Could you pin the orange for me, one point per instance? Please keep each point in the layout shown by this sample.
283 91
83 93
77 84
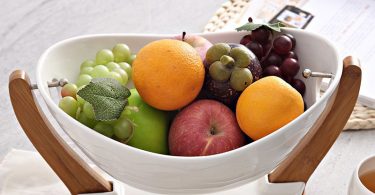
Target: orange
267 105
168 74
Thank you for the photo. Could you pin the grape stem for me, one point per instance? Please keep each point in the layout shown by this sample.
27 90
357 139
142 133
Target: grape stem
183 36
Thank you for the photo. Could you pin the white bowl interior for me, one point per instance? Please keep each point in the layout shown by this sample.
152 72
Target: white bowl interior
168 174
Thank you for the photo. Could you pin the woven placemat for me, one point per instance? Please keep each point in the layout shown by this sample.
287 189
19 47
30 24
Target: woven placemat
362 116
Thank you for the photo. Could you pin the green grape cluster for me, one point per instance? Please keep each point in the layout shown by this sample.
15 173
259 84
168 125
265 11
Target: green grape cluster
115 64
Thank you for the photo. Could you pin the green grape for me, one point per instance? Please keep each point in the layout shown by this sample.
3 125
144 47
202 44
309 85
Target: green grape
131 59
83 79
121 52
112 65
123 129
123 74
80 100
117 76
88 110
128 69
104 56
69 105
78 112
100 71
104 128
69 89
84 119
80 87
87 63
87 70
125 113
111 122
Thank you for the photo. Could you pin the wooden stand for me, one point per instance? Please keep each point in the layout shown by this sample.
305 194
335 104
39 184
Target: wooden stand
307 155
80 178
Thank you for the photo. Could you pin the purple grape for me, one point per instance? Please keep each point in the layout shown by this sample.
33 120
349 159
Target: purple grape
291 54
245 39
293 40
299 86
266 48
273 59
256 48
261 35
290 67
282 44
287 79
272 70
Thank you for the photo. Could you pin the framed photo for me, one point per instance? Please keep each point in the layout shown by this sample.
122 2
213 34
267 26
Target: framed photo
292 16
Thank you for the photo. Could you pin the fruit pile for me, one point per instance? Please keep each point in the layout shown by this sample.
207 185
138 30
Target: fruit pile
191 97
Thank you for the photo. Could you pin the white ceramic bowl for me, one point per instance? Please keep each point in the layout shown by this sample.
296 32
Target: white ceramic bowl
170 174
356 187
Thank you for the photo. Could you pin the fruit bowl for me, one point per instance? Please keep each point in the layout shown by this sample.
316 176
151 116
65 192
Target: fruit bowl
171 174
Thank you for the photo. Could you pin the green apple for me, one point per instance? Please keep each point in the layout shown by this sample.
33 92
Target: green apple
150 125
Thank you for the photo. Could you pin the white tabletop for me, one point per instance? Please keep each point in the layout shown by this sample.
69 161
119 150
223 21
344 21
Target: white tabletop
27 28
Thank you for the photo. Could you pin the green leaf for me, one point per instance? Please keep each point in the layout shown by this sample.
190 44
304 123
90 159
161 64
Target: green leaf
252 26
107 96
275 26
249 27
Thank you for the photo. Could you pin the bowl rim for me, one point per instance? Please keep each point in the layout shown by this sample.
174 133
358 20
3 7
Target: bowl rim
52 105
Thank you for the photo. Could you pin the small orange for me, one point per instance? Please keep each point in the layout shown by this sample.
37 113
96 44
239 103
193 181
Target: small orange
168 74
267 105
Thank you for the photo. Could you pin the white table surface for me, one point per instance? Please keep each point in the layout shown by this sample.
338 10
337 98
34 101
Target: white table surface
27 28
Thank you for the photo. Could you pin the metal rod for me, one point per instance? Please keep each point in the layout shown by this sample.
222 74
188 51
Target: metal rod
307 73
54 83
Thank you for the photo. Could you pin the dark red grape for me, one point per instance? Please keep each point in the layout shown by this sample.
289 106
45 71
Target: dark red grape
256 48
282 44
293 40
245 39
290 67
291 54
299 86
272 70
287 79
273 59
266 48
250 19
261 35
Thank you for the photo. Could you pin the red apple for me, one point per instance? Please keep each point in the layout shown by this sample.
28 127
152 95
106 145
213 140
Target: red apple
200 44
205 127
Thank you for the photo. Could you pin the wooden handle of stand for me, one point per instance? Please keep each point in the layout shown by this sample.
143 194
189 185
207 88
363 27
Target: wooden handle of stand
78 176
306 156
